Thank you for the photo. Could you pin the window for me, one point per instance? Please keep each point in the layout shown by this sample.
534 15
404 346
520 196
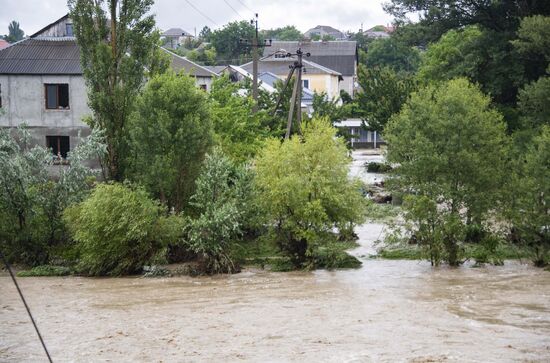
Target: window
305 83
57 96
59 145
69 30
0 96
203 87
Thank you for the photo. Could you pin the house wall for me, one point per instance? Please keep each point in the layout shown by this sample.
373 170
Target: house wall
321 83
23 101
207 81
348 85
58 30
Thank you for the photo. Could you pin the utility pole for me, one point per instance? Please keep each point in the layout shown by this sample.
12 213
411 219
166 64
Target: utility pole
296 99
254 44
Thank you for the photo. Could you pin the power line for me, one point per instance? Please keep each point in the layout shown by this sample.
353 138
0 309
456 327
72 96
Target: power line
232 8
243 4
200 12
26 306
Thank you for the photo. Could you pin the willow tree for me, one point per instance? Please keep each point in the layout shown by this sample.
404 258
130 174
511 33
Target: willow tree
117 40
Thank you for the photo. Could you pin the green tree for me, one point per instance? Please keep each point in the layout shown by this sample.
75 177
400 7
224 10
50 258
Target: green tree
304 189
170 133
530 213
226 41
238 131
205 55
118 50
392 53
451 149
481 56
205 34
534 46
289 32
534 105
383 93
15 33
327 38
30 202
221 200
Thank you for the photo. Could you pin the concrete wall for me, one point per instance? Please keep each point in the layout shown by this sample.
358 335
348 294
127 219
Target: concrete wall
348 85
207 81
23 101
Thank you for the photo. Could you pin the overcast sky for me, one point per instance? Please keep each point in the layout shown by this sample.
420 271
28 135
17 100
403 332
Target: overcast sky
345 15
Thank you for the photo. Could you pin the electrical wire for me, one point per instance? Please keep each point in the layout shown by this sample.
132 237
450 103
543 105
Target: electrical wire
243 4
232 8
26 306
200 12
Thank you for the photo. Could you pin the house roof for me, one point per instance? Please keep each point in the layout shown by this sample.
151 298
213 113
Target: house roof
41 56
280 66
326 29
176 32
3 44
216 69
339 55
179 63
50 25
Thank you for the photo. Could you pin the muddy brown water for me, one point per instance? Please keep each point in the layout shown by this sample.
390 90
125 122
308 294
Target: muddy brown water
386 311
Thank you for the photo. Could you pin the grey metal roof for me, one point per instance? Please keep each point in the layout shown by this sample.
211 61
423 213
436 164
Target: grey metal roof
340 56
216 69
179 63
281 66
176 32
41 56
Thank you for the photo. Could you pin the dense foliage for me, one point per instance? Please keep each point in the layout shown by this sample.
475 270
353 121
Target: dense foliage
170 132
116 230
31 202
118 49
449 144
222 203
304 190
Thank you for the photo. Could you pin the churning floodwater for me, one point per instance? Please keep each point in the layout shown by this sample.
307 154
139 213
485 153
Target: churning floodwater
386 311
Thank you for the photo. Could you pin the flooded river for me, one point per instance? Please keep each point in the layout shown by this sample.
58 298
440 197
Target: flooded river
386 311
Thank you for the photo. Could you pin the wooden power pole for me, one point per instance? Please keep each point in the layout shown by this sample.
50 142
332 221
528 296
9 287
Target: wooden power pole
254 44
296 99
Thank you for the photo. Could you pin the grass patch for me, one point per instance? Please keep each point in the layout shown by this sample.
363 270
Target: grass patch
401 253
45 270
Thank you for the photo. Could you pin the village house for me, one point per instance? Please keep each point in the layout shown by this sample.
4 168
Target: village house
325 30
202 75
42 86
174 37
361 136
340 57
315 77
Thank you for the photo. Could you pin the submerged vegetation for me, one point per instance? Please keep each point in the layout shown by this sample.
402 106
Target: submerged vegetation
207 180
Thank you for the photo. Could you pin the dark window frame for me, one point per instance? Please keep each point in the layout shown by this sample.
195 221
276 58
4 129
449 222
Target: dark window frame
58 96
60 146
67 27
0 95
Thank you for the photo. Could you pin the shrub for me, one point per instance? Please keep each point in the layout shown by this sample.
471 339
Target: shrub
117 230
221 203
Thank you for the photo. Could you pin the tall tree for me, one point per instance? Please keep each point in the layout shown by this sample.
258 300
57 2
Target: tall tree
15 33
383 93
226 41
170 133
289 32
118 48
449 144
391 52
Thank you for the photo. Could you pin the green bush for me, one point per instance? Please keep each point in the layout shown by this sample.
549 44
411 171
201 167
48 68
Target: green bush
220 202
117 230
304 190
